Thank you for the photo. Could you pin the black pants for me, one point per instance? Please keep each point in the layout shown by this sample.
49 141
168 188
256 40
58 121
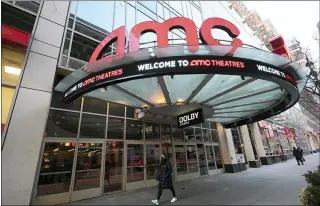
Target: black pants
160 192
299 160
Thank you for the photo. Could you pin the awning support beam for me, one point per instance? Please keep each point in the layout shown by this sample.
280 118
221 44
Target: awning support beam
164 89
199 87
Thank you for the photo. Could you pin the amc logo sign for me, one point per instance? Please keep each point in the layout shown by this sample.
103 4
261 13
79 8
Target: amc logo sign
162 29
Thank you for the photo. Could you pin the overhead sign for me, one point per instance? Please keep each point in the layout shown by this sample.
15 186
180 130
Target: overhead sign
175 65
190 118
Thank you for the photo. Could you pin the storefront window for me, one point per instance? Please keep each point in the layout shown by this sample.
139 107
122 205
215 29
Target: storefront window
134 130
152 131
130 112
264 136
192 158
116 109
181 159
56 168
113 166
210 157
198 134
62 124
177 134
88 166
189 134
94 106
217 154
115 128
206 135
165 136
153 160
93 126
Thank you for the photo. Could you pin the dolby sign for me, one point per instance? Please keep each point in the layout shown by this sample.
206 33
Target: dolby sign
190 118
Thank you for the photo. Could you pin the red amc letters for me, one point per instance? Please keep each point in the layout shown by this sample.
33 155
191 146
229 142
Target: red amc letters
220 63
114 73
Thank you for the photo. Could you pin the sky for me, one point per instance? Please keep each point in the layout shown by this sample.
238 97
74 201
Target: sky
292 19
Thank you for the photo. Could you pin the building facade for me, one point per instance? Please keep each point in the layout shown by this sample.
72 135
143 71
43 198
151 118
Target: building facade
94 147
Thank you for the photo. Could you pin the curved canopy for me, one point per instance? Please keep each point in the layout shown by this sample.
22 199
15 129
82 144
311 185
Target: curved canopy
265 85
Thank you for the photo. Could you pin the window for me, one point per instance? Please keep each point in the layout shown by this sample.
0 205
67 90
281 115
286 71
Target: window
206 125
134 130
29 5
196 16
217 154
198 134
141 6
152 131
189 134
88 166
176 7
119 15
165 133
62 124
180 151
192 158
135 163
82 48
115 128
177 134
206 135
210 157
94 106
56 168
105 10
116 109
130 112
160 10
93 126
113 166
236 141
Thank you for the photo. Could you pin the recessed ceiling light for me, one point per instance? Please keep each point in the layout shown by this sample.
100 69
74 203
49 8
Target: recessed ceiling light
12 70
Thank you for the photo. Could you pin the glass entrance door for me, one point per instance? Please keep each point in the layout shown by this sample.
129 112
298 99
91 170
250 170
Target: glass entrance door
113 163
202 160
87 177
142 164
135 166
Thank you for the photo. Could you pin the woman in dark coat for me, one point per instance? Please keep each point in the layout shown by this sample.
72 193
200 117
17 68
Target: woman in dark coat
165 179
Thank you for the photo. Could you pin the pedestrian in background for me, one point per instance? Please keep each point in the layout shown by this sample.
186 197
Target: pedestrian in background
165 179
297 153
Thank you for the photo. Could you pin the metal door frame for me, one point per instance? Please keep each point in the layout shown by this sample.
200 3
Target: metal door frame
137 184
92 192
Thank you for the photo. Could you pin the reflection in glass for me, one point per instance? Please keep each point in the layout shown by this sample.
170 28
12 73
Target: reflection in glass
115 128
116 109
119 15
92 126
81 49
202 160
134 129
198 134
62 124
130 112
88 166
206 125
181 163
150 10
210 158
94 105
206 135
57 102
189 134
192 158
113 166
177 134
153 160
135 164
152 131
218 157
213 125
103 8
56 168
236 141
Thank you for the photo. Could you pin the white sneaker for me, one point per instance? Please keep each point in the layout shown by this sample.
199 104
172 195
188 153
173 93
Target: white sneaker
174 199
155 202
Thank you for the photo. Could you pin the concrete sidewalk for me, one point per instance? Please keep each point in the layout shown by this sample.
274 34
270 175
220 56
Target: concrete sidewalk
277 184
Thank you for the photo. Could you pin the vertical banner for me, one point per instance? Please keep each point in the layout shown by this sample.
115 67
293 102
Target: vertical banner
287 131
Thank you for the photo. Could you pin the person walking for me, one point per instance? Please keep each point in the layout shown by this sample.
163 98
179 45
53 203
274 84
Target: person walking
164 178
297 153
